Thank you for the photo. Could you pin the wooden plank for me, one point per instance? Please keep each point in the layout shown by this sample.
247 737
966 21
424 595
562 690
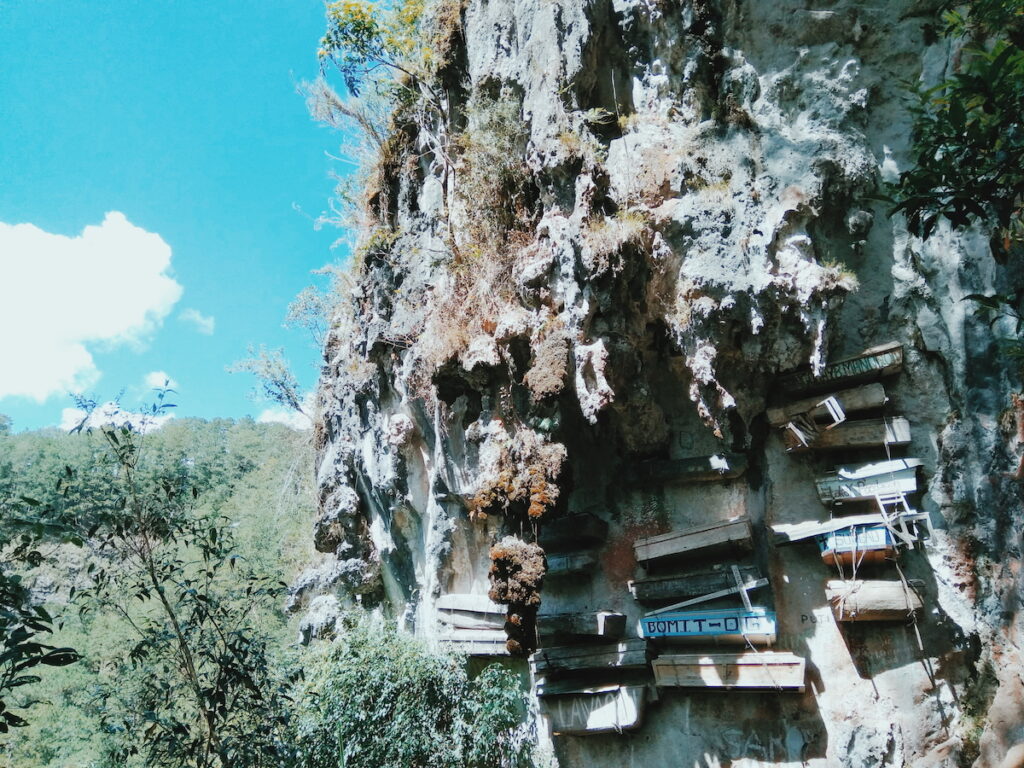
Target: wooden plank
788 533
866 433
622 655
865 481
610 710
872 600
870 365
737 626
606 624
866 398
766 670
728 534
475 642
663 589
698 469
570 563
573 532
740 588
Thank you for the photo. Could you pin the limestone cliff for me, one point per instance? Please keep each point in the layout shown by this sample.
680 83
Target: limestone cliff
635 215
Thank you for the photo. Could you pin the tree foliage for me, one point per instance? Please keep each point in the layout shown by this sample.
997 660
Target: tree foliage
969 138
377 698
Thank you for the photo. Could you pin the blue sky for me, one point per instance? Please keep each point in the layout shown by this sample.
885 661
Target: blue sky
184 118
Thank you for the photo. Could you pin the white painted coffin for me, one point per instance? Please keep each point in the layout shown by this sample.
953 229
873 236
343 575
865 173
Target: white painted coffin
604 709
768 670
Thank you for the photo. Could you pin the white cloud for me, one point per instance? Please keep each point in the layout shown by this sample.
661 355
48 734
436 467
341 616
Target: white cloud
160 380
111 413
204 324
286 416
61 295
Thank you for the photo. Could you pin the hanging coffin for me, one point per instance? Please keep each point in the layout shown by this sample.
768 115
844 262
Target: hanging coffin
581 626
728 534
870 397
476 642
852 434
569 564
729 626
573 532
628 654
698 469
865 482
601 709
766 670
857 545
869 365
470 611
872 600
665 589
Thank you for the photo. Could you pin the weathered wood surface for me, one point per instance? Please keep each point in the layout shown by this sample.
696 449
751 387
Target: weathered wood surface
872 600
865 481
766 670
862 545
570 563
609 709
470 620
743 587
476 642
606 624
471 603
725 534
869 365
869 397
665 589
573 532
622 655
699 469
727 626
854 434
788 533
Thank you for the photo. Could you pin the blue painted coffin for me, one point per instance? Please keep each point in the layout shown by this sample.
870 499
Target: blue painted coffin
728 626
859 544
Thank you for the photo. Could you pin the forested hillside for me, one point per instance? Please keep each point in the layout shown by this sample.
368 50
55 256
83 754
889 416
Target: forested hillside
254 476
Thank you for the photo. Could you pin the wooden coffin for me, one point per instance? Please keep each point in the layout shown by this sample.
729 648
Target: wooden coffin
870 365
766 670
854 434
860 545
865 481
475 642
570 563
727 534
699 469
602 709
470 611
736 626
665 589
872 600
870 397
790 533
573 532
626 654
583 626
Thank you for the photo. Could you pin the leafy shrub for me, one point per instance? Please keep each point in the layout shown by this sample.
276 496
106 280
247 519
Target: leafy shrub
968 136
378 698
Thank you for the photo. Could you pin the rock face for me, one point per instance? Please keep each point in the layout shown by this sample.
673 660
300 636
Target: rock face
649 209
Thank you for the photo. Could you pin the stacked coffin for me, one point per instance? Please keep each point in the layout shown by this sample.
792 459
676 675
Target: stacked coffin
877 493
472 624
689 622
